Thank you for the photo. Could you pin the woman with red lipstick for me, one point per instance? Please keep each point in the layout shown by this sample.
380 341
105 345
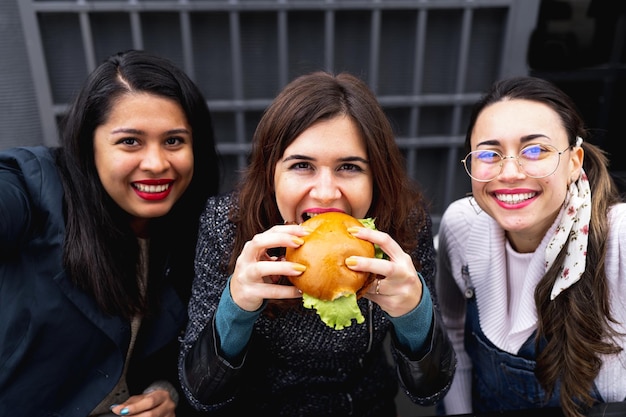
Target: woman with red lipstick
97 244
531 273
251 348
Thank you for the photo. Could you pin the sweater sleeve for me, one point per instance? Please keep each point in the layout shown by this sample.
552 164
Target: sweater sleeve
14 205
424 356
233 325
413 328
208 378
452 304
30 190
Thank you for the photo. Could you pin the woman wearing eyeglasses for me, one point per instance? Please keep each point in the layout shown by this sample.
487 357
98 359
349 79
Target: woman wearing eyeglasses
531 268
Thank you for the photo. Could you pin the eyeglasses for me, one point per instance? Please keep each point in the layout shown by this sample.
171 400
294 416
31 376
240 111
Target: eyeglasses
536 161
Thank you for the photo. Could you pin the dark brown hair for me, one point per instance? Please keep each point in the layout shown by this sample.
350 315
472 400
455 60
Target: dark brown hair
397 204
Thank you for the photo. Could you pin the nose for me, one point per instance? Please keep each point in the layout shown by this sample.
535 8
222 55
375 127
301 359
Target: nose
325 189
154 160
514 170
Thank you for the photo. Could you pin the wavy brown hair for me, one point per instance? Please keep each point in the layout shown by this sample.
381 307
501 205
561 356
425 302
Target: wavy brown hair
574 329
397 205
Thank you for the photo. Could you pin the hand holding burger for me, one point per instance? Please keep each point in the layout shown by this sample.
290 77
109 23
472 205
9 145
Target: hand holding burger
328 285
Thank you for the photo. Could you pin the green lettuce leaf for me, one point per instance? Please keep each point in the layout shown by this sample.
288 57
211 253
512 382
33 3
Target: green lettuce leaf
338 313
369 223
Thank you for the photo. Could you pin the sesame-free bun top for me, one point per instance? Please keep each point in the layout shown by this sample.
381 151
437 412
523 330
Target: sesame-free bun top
324 253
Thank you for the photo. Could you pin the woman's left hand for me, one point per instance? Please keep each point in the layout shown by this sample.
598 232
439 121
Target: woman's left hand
398 288
157 403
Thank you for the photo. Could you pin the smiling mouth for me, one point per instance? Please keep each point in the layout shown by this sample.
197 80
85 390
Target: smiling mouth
514 198
144 188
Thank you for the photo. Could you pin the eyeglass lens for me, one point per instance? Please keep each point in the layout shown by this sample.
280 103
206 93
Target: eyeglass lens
536 161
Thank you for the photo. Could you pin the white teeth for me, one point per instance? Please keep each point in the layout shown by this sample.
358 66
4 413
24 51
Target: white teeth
514 198
151 188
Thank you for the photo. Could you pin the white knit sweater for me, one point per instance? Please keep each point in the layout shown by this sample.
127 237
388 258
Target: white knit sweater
468 238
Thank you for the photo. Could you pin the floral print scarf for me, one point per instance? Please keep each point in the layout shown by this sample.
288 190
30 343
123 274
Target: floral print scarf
573 231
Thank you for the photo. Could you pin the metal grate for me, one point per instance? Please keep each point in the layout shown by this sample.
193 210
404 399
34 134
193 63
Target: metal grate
19 116
427 60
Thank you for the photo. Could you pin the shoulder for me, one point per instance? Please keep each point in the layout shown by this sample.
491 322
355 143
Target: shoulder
28 159
458 220
34 169
616 240
36 164
28 152
615 261
220 203
215 219
617 219
217 209
617 212
460 213
31 193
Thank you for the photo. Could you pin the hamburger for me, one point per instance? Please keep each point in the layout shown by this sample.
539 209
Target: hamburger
328 285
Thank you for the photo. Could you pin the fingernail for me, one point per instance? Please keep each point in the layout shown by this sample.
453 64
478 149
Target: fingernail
113 406
308 229
298 267
351 261
124 411
297 240
353 229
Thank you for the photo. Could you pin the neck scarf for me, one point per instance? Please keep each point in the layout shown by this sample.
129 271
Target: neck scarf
572 231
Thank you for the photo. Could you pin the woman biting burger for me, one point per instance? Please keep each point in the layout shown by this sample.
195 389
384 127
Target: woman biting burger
323 145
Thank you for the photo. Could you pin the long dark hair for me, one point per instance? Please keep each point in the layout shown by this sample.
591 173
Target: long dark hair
398 206
101 252
574 330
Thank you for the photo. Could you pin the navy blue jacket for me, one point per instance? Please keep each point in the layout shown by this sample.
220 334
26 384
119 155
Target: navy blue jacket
59 354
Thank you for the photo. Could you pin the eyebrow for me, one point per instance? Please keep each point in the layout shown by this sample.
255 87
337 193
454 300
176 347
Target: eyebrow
523 139
308 158
141 132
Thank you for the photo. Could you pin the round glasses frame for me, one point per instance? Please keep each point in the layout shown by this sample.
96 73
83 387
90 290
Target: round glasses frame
517 159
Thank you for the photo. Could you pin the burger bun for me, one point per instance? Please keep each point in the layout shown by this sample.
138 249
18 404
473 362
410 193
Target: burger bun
324 253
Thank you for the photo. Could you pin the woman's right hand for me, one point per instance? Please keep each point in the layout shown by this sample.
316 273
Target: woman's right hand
256 273
156 403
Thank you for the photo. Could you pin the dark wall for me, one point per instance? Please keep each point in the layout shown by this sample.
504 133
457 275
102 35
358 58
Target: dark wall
581 47
19 115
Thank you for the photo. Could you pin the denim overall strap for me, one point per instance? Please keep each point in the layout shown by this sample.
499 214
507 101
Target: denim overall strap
502 381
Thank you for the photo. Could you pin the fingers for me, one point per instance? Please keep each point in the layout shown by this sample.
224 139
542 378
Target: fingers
397 288
255 261
277 237
256 273
398 263
389 246
157 403
250 296
396 297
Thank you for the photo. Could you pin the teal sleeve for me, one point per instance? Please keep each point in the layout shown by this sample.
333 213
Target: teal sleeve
233 324
413 328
